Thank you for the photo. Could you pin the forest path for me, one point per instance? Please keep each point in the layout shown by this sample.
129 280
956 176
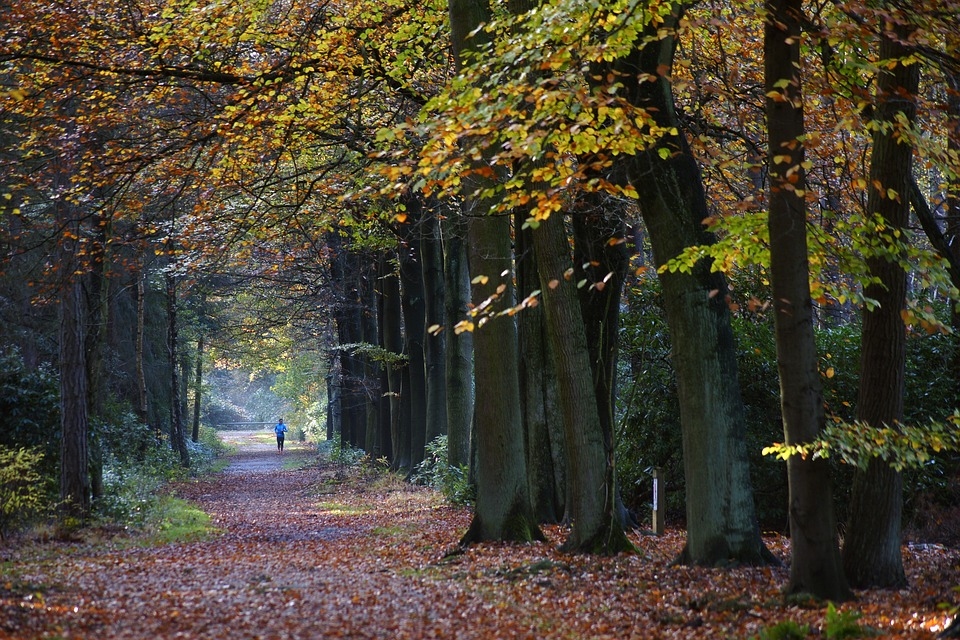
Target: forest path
319 550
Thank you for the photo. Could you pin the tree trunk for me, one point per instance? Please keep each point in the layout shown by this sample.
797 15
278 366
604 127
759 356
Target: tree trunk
871 551
542 419
431 254
141 400
502 510
74 477
98 313
393 344
590 459
412 306
953 201
371 368
601 261
721 519
198 389
815 556
177 439
459 347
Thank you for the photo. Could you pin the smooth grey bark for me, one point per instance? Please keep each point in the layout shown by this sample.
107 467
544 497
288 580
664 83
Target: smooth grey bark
722 527
871 547
815 565
595 523
458 347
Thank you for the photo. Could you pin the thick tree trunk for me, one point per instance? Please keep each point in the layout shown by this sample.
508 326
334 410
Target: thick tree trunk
502 510
721 519
595 525
871 551
431 254
815 556
459 346
177 439
539 397
601 261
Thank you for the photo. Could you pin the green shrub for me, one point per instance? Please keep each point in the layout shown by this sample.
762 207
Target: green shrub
22 493
843 624
786 630
436 472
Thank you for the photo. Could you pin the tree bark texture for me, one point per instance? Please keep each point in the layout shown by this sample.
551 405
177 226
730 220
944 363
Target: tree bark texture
459 347
412 305
815 556
595 524
435 377
542 418
74 479
721 519
871 550
197 388
371 368
177 439
502 510
390 326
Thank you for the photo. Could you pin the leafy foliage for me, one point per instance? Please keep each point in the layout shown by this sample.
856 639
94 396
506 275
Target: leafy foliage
435 471
856 443
22 493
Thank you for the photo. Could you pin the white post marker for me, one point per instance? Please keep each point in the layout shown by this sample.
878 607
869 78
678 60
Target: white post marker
658 491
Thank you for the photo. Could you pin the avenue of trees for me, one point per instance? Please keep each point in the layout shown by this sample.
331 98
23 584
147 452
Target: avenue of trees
453 218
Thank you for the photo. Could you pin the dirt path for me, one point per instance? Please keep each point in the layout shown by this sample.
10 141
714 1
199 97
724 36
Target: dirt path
321 551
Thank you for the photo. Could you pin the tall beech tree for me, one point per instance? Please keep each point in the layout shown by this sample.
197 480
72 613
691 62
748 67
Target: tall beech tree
871 547
721 520
503 510
815 565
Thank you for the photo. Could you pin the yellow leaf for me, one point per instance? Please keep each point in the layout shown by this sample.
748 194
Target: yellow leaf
830 372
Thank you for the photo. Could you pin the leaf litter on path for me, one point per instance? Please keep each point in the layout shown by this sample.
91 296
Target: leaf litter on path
339 552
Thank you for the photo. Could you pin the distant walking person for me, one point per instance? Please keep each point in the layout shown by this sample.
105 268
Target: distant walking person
280 429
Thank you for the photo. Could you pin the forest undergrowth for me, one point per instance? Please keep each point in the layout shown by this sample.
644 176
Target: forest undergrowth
332 551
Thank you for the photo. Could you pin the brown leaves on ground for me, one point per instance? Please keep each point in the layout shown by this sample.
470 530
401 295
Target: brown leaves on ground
331 552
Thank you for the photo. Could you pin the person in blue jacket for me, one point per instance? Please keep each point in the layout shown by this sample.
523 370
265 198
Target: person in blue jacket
280 430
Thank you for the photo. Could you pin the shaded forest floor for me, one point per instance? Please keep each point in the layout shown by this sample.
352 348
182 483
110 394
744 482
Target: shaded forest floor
309 551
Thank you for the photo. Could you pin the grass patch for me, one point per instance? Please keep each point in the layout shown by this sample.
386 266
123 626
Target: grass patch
176 520
340 509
